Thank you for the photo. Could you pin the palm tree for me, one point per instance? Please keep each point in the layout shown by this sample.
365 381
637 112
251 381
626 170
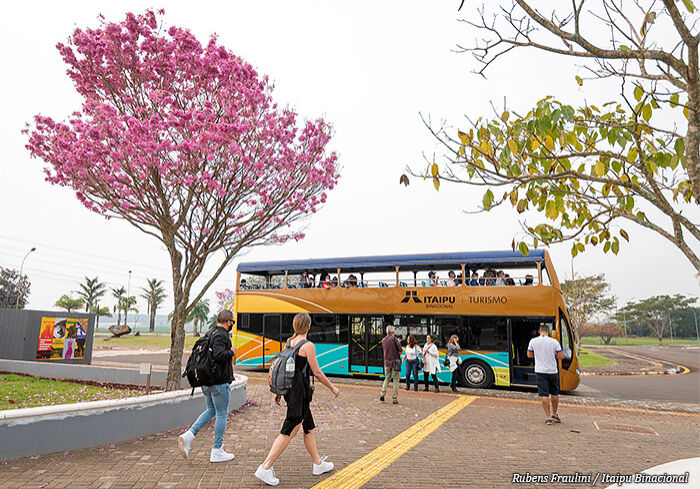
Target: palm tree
213 321
118 294
199 314
127 304
100 311
154 295
91 291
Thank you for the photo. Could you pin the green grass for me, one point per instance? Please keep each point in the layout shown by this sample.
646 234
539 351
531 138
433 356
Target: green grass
131 340
637 341
587 358
18 391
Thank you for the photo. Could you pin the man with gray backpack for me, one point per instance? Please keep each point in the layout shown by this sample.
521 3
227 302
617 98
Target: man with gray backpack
289 377
210 368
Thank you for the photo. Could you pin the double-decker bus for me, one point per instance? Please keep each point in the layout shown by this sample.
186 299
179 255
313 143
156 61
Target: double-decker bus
494 301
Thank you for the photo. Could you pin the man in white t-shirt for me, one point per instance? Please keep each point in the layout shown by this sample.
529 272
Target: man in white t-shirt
546 351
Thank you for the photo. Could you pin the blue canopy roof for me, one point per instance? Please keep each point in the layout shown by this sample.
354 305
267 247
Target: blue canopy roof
426 260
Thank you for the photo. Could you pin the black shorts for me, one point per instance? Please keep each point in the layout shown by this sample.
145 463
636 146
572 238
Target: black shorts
291 422
547 384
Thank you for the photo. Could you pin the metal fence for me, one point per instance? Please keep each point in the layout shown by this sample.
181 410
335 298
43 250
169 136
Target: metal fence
46 336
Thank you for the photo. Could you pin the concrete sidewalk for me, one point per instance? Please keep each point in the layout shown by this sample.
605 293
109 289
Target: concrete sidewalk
482 445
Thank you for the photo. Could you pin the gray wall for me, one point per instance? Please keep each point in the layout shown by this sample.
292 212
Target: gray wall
95 427
19 334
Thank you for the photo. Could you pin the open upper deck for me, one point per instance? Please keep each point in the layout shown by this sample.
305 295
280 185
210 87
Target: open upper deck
417 262
415 270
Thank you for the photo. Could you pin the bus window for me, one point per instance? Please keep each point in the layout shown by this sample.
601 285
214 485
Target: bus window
251 323
566 340
327 328
488 333
545 277
444 327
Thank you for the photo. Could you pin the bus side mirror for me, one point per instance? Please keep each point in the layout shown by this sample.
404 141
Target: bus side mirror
555 335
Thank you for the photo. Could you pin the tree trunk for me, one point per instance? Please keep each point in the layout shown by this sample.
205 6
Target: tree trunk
177 344
152 324
119 317
692 140
196 330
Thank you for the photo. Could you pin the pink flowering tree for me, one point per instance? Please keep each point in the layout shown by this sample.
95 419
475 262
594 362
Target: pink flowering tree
184 142
224 297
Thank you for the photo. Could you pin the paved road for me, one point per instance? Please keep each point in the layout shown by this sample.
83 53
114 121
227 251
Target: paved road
683 388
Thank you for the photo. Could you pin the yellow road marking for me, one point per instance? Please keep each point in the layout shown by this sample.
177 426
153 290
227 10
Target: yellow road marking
364 469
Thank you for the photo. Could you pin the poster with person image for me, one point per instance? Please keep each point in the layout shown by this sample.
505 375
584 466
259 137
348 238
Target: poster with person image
68 348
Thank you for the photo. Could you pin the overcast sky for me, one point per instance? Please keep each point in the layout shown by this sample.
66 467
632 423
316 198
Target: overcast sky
370 68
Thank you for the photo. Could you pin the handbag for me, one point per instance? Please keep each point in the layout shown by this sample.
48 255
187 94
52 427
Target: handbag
446 362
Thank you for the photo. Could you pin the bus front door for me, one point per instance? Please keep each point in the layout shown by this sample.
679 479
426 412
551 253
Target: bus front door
366 355
272 334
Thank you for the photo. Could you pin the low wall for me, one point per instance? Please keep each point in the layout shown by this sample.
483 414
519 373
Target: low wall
47 429
91 373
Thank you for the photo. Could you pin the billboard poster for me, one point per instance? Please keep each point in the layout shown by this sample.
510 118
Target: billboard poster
62 339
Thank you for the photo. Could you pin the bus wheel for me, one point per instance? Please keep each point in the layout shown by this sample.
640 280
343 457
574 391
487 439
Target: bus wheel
477 375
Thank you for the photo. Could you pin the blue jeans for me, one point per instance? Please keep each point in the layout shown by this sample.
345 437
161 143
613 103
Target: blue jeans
217 398
412 367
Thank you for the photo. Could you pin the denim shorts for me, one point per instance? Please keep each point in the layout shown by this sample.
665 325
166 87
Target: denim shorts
547 384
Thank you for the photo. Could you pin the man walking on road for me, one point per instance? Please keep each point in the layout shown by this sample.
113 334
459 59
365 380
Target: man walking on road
546 351
392 363
217 395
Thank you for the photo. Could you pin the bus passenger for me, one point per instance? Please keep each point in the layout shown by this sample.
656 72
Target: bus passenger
307 282
500 280
528 279
325 282
474 282
334 282
489 277
244 284
509 280
459 280
453 350
451 282
351 282
432 279
298 411
431 357
413 353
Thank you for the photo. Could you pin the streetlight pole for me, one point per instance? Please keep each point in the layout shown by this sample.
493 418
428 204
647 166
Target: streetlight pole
697 336
20 275
126 304
670 326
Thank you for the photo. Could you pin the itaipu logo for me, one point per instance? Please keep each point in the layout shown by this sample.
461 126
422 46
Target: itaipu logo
430 301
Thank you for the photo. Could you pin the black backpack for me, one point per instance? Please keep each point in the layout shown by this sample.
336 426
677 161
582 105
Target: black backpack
201 367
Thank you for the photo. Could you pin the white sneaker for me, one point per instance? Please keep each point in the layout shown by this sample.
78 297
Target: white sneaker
267 476
184 441
219 455
323 467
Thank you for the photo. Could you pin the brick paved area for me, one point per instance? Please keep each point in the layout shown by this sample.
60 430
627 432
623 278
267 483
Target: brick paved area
480 446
